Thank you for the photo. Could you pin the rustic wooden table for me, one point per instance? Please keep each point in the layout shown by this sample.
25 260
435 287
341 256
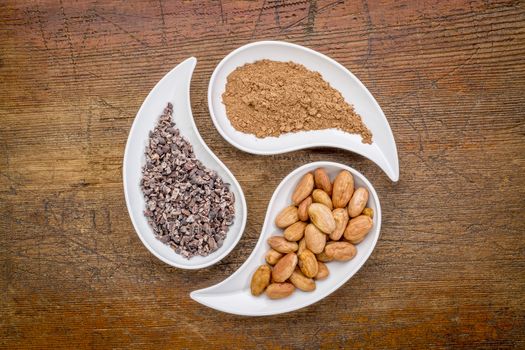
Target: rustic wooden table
449 269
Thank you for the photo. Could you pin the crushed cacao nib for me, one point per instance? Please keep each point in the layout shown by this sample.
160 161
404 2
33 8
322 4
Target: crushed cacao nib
188 206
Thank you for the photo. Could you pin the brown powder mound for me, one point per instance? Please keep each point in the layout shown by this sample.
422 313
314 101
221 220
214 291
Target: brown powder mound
269 98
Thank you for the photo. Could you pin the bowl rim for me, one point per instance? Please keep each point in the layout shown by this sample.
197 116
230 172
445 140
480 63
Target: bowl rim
191 61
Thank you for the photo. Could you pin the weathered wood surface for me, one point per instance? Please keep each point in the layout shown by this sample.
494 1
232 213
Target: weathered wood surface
449 269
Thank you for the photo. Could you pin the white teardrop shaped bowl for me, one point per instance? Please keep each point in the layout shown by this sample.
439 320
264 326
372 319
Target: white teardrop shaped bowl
382 151
174 87
233 294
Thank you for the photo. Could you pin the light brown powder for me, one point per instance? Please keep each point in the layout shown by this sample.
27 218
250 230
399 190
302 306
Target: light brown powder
269 98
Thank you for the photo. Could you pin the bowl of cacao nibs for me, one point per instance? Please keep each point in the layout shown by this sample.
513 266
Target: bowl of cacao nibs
186 206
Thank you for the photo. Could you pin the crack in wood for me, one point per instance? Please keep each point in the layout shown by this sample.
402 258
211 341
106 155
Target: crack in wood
276 16
456 68
223 20
164 38
131 35
258 20
317 12
312 12
70 43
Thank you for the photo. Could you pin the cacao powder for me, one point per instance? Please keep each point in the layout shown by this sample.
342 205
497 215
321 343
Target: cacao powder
270 98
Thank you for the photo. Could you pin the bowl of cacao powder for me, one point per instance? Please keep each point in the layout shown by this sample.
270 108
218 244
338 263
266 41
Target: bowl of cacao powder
185 205
272 97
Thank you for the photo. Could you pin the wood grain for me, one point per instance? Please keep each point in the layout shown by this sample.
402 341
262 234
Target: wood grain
449 269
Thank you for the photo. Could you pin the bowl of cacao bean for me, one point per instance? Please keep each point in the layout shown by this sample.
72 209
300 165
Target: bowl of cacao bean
321 226
185 205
